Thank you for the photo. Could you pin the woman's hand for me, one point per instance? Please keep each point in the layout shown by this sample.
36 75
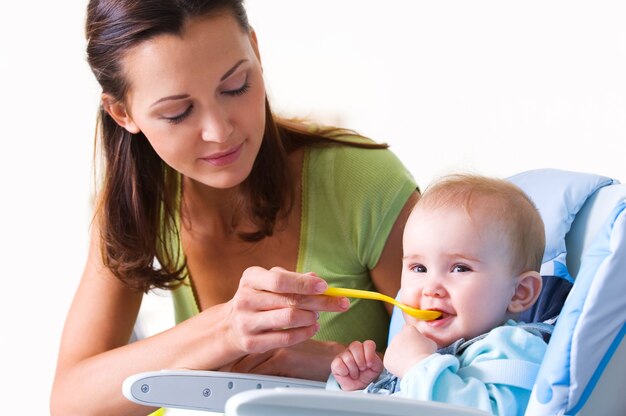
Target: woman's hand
357 366
309 359
406 349
276 308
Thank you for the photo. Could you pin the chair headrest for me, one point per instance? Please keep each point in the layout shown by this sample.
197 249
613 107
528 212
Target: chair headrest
558 195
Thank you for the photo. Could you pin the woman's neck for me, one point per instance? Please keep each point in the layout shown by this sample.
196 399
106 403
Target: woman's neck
208 211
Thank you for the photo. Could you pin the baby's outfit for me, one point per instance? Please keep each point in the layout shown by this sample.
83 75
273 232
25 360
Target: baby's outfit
493 372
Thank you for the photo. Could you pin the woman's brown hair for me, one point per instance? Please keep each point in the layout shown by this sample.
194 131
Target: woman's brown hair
137 202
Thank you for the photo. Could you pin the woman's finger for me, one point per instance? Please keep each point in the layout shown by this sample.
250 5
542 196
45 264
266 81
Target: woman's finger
265 341
275 319
250 300
260 289
279 280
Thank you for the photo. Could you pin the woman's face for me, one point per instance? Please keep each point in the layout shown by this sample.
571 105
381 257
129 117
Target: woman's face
199 99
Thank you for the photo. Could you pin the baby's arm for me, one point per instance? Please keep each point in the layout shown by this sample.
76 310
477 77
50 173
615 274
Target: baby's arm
406 349
357 366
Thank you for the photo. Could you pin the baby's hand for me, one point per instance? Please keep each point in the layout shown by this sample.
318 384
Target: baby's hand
406 349
357 366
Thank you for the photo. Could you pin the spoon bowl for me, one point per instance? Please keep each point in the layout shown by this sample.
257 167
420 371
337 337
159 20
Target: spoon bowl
366 294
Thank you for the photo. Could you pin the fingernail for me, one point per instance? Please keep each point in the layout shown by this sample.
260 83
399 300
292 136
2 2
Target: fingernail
321 286
317 315
344 303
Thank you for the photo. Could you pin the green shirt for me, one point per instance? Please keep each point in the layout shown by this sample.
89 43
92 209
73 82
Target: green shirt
351 198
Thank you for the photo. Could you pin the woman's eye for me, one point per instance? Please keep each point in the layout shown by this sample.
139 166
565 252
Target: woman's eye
460 268
239 91
418 268
180 117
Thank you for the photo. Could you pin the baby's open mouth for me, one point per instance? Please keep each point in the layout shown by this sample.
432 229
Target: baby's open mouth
442 316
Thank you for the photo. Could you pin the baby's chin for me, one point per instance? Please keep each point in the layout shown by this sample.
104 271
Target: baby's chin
442 340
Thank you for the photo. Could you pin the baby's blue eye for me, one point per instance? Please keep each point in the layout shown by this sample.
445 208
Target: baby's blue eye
460 268
418 268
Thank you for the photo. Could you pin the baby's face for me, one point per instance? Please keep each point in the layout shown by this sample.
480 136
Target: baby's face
457 265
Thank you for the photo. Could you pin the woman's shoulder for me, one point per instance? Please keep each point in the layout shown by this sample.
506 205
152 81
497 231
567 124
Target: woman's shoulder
349 161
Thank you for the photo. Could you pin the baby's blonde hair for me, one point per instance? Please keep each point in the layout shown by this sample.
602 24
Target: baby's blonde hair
503 205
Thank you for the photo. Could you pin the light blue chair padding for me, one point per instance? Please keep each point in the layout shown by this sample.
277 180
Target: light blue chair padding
558 195
396 323
591 326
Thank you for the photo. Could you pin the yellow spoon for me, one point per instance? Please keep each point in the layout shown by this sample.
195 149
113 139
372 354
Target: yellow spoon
366 294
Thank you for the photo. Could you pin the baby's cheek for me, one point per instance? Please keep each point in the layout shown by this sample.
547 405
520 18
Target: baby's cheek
409 294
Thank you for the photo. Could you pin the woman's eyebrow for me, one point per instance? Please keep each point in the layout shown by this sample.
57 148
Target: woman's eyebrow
183 96
233 69
171 97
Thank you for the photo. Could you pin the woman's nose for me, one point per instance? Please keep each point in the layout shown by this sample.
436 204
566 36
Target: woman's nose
216 127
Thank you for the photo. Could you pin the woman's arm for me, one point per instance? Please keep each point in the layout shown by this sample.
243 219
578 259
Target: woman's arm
94 357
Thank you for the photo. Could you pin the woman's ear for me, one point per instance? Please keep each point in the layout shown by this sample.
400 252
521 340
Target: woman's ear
526 293
117 111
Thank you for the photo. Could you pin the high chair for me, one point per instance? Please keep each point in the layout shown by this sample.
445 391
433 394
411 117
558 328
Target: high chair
584 369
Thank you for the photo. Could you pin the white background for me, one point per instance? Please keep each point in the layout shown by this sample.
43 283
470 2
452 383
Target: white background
493 87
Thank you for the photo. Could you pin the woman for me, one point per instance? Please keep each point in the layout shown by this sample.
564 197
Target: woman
246 218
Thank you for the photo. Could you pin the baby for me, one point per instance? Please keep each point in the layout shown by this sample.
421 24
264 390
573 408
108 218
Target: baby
473 248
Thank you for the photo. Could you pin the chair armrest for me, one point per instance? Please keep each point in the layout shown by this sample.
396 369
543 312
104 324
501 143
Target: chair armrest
306 402
200 390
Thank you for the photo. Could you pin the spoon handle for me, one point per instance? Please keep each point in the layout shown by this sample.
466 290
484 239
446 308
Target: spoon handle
356 293
366 294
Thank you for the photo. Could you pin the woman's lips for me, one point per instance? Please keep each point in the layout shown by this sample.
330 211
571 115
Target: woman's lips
224 158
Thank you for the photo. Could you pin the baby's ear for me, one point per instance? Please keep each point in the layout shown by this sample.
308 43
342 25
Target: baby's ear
526 292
